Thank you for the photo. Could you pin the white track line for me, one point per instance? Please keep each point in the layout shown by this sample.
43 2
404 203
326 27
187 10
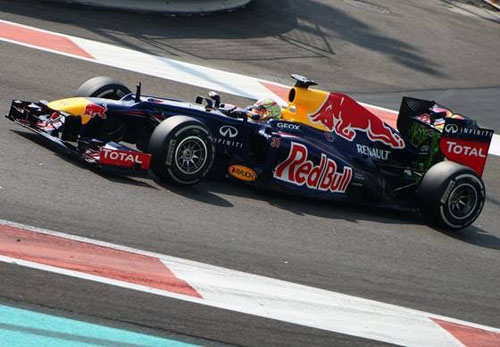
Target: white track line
285 301
243 292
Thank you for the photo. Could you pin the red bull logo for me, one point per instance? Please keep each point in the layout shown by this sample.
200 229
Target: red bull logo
296 169
95 110
344 116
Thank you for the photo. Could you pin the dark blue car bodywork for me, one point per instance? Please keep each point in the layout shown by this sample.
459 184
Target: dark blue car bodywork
378 174
290 157
325 145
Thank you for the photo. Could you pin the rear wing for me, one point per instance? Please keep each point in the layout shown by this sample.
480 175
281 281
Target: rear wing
443 134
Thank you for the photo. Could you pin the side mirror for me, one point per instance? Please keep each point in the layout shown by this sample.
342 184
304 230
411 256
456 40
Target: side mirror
215 97
138 93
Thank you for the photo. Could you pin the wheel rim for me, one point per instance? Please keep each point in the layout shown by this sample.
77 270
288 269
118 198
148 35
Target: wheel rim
191 155
463 201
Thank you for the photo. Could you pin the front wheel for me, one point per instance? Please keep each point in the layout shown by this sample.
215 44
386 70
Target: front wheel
182 150
451 195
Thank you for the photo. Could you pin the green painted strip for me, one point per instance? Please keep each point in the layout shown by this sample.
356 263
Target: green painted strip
19 327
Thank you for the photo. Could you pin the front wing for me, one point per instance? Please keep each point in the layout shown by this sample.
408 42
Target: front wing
50 124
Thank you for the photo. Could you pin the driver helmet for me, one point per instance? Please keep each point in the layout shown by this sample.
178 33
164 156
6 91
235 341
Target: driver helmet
265 109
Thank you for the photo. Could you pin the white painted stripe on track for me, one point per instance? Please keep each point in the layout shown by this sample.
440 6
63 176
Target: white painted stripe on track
276 299
175 70
242 292
171 69
96 278
161 67
495 145
312 307
47 50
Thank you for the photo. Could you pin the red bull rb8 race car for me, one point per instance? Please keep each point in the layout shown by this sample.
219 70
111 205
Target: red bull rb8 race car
324 145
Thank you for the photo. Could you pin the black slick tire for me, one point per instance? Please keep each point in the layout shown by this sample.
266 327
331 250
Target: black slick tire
451 195
182 150
103 87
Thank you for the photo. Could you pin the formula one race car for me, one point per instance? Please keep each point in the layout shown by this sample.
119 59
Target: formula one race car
325 145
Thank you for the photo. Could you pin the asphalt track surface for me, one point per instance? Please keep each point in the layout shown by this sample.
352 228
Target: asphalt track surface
371 253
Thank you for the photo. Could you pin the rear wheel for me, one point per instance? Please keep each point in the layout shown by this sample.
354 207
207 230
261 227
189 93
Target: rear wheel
451 195
182 149
103 87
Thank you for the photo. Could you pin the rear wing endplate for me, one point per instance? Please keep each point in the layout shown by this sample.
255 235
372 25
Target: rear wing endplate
460 139
465 145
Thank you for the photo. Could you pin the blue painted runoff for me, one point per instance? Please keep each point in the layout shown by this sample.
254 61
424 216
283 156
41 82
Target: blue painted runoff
20 327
